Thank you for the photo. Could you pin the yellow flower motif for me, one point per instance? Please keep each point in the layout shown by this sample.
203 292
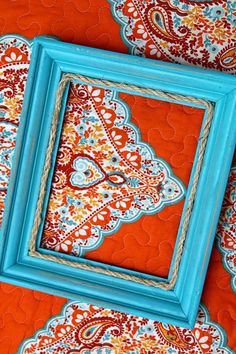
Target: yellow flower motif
94 202
14 107
98 128
192 19
105 147
105 312
117 343
70 134
196 10
99 135
53 204
220 32
80 213
164 44
149 344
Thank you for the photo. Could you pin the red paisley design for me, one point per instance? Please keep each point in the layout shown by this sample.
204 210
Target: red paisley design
86 329
14 62
182 31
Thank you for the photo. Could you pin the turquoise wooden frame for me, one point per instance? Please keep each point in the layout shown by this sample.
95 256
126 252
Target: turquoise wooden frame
50 59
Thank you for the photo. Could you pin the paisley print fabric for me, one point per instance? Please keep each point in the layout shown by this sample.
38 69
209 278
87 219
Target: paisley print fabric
226 233
105 174
100 335
14 63
88 329
183 31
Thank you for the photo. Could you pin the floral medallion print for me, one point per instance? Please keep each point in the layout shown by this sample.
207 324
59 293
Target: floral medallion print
226 233
193 32
105 174
14 63
87 329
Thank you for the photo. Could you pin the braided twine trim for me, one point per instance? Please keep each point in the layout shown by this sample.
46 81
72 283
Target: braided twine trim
203 141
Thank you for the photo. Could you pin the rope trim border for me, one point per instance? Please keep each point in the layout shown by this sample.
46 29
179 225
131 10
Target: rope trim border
68 77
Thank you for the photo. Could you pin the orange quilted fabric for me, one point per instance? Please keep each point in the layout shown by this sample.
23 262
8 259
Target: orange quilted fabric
88 22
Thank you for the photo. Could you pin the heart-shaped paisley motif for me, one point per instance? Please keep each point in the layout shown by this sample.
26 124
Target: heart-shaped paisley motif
87 173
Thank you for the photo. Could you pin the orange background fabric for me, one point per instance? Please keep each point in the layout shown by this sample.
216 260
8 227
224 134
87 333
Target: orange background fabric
86 22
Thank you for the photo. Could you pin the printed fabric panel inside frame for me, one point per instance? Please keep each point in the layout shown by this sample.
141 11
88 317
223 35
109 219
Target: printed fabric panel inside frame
121 174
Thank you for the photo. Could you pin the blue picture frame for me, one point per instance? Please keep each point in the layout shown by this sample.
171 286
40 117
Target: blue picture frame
51 59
